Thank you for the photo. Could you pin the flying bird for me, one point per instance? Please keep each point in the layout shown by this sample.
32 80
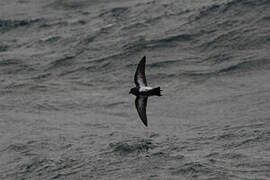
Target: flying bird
142 91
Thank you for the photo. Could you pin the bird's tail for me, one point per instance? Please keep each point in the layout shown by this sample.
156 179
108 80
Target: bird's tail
156 91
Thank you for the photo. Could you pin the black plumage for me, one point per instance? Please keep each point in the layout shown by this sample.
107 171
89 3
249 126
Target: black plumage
142 91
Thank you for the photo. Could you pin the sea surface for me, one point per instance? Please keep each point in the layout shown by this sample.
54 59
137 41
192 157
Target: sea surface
66 67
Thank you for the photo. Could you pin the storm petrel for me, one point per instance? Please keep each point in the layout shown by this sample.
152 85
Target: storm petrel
142 91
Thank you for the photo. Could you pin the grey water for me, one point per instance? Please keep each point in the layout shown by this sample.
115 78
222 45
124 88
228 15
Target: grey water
66 67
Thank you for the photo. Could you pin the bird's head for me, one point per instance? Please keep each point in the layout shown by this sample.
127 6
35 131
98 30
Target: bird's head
134 91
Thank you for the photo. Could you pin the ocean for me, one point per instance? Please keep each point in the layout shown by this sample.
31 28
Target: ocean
66 68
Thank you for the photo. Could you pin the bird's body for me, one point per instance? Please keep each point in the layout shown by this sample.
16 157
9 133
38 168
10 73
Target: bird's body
145 89
142 91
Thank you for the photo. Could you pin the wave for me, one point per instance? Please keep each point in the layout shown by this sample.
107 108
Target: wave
3 47
124 148
68 4
232 26
193 169
232 5
7 25
117 12
15 66
240 67
65 61
246 66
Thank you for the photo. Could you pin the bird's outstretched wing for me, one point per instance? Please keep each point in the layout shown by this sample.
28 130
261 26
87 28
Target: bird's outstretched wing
141 103
139 77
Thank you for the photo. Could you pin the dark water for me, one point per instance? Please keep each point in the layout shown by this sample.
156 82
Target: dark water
66 67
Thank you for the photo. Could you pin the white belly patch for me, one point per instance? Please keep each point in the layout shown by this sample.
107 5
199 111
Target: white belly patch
144 89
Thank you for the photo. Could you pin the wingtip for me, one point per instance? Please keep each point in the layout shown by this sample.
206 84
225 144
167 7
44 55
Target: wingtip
145 124
144 58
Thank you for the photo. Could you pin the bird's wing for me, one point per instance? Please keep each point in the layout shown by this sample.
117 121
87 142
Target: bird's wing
141 103
139 77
